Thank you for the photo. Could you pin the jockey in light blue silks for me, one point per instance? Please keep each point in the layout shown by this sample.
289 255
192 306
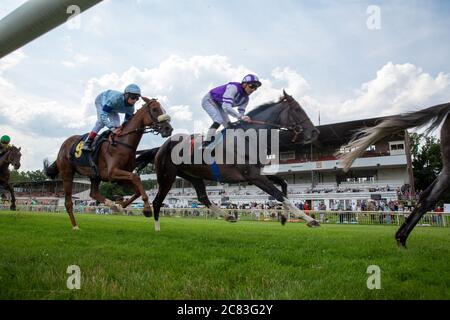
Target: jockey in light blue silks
109 104
221 101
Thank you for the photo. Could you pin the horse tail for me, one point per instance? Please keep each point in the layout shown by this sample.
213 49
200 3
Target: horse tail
392 125
50 171
146 157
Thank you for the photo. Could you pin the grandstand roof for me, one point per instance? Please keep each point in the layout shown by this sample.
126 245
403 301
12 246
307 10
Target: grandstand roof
342 131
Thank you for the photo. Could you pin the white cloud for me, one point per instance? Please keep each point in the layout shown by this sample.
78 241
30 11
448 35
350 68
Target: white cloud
11 60
76 60
181 113
397 88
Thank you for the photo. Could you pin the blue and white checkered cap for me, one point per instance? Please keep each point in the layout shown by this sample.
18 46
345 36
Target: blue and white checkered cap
251 78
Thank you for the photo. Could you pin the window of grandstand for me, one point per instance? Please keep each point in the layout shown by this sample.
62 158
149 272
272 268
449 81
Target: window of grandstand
397 147
288 155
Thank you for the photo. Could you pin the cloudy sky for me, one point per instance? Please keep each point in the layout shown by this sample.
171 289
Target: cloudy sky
352 60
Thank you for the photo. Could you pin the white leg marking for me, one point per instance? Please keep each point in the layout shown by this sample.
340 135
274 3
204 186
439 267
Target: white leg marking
216 210
157 226
289 206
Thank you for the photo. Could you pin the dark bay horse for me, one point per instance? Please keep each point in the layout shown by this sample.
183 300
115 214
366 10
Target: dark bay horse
116 160
433 116
286 115
10 157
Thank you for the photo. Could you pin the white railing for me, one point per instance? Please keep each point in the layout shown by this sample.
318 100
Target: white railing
432 219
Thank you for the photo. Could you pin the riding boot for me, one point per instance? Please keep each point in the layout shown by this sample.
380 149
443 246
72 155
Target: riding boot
209 138
210 135
88 143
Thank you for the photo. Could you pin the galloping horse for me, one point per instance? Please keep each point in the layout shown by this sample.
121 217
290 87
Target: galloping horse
285 115
433 116
11 156
116 159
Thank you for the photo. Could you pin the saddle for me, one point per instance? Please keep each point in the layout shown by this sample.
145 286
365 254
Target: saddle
81 158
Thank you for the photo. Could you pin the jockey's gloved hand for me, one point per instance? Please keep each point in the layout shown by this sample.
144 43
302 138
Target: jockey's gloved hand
245 118
117 131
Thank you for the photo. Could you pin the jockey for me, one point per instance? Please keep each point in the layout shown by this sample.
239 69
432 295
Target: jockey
4 144
219 102
109 104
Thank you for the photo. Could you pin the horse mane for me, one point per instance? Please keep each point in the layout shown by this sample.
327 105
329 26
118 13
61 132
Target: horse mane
263 107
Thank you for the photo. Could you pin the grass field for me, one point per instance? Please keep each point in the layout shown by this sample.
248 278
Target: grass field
122 257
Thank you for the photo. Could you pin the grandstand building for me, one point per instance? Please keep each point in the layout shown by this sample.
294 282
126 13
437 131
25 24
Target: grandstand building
313 174
50 192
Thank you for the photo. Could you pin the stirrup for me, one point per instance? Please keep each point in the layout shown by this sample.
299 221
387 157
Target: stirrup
87 147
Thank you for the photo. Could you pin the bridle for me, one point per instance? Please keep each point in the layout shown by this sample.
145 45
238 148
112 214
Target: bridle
296 127
154 128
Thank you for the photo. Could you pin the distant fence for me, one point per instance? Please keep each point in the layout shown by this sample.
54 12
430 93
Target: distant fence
327 217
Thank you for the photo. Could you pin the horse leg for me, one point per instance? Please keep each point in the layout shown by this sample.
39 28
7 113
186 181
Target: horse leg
427 200
164 185
13 198
130 177
95 194
265 184
281 182
202 196
136 195
67 179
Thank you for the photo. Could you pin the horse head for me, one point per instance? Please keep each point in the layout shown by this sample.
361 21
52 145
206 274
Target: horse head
296 120
156 117
13 157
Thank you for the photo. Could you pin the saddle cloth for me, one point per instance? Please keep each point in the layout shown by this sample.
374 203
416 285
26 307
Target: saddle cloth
81 158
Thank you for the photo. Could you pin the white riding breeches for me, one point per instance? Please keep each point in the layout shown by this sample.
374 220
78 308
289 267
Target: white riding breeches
113 117
214 111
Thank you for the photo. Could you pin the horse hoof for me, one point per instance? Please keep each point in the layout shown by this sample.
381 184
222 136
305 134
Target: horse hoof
230 219
283 220
75 228
313 224
13 208
401 242
147 212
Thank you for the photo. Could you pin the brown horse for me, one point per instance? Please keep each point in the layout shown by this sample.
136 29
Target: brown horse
433 116
116 159
10 157
285 116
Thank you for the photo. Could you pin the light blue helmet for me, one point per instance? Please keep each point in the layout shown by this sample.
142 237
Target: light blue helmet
133 88
251 78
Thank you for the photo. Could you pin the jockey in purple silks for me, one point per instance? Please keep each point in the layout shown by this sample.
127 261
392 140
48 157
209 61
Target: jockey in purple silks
109 104
221 101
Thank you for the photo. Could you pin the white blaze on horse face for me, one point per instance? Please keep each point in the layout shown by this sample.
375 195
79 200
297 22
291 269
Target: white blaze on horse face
289 206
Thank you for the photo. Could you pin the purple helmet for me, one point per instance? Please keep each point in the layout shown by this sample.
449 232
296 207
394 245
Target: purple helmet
251 78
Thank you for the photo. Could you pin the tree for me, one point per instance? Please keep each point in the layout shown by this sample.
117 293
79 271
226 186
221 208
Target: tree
22 176
112 190
426 161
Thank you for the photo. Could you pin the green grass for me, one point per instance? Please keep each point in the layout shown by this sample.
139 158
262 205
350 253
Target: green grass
124 258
